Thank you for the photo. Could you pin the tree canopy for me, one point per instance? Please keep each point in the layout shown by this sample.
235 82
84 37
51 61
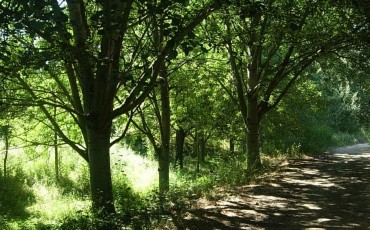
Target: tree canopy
182 72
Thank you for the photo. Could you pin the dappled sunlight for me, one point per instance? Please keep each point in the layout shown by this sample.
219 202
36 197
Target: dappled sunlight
245 213
269 201
310 171
320 182
311 206
274 185
356 151
318 193
352 157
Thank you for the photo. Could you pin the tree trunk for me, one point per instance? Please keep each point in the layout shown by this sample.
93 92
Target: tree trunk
197 150
243 143
100 173
164 156
56 153
202 148
6 150
253 146
253 119
232 145
180 140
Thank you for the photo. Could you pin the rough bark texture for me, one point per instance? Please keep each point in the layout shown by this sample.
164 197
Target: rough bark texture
100 173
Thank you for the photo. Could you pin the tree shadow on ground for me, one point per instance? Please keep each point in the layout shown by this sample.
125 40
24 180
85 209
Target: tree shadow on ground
15 197
327 192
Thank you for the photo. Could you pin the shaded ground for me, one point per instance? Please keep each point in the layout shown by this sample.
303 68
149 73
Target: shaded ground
327 192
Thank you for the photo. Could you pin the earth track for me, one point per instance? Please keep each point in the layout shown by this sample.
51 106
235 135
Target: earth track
331 191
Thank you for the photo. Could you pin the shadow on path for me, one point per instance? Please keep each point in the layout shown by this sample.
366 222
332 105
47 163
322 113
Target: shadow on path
327 192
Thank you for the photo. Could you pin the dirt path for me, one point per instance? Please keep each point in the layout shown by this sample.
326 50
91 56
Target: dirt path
327 192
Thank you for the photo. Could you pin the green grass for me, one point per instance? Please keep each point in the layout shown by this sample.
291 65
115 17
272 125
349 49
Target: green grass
41 203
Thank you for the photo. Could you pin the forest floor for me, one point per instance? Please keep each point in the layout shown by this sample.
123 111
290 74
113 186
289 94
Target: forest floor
330 191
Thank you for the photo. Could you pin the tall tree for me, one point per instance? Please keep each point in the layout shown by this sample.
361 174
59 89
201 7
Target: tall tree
270 45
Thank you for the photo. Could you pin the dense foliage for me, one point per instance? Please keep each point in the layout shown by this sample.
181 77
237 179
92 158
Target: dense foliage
95 94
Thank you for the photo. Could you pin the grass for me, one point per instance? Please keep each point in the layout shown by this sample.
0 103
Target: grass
30 198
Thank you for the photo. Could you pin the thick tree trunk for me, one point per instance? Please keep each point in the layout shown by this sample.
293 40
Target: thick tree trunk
253 118
164 156
100 173
253 125
180 140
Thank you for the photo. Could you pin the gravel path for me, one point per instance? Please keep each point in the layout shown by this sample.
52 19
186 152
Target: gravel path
327 192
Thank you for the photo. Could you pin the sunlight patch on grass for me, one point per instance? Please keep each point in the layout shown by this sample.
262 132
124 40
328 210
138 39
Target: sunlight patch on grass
52 205
141 172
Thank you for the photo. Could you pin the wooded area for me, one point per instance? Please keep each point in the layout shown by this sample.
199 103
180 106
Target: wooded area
95 95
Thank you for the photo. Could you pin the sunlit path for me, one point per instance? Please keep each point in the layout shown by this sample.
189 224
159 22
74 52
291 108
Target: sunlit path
327 192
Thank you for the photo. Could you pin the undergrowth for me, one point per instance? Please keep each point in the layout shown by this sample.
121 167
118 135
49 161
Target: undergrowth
31 198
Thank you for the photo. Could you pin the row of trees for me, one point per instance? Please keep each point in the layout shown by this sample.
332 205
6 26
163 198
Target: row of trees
201 67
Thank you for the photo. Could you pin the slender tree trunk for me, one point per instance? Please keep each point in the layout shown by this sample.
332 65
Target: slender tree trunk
6 151
243 143
197 150
164 156
56 153
202 148
231 145
100 173
180 140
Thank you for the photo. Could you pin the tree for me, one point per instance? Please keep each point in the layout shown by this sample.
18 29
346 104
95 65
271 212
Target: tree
270 45
100 48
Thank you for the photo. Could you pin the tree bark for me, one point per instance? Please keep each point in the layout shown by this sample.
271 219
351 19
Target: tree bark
164 156
253 145
180 140
253 118
100 174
